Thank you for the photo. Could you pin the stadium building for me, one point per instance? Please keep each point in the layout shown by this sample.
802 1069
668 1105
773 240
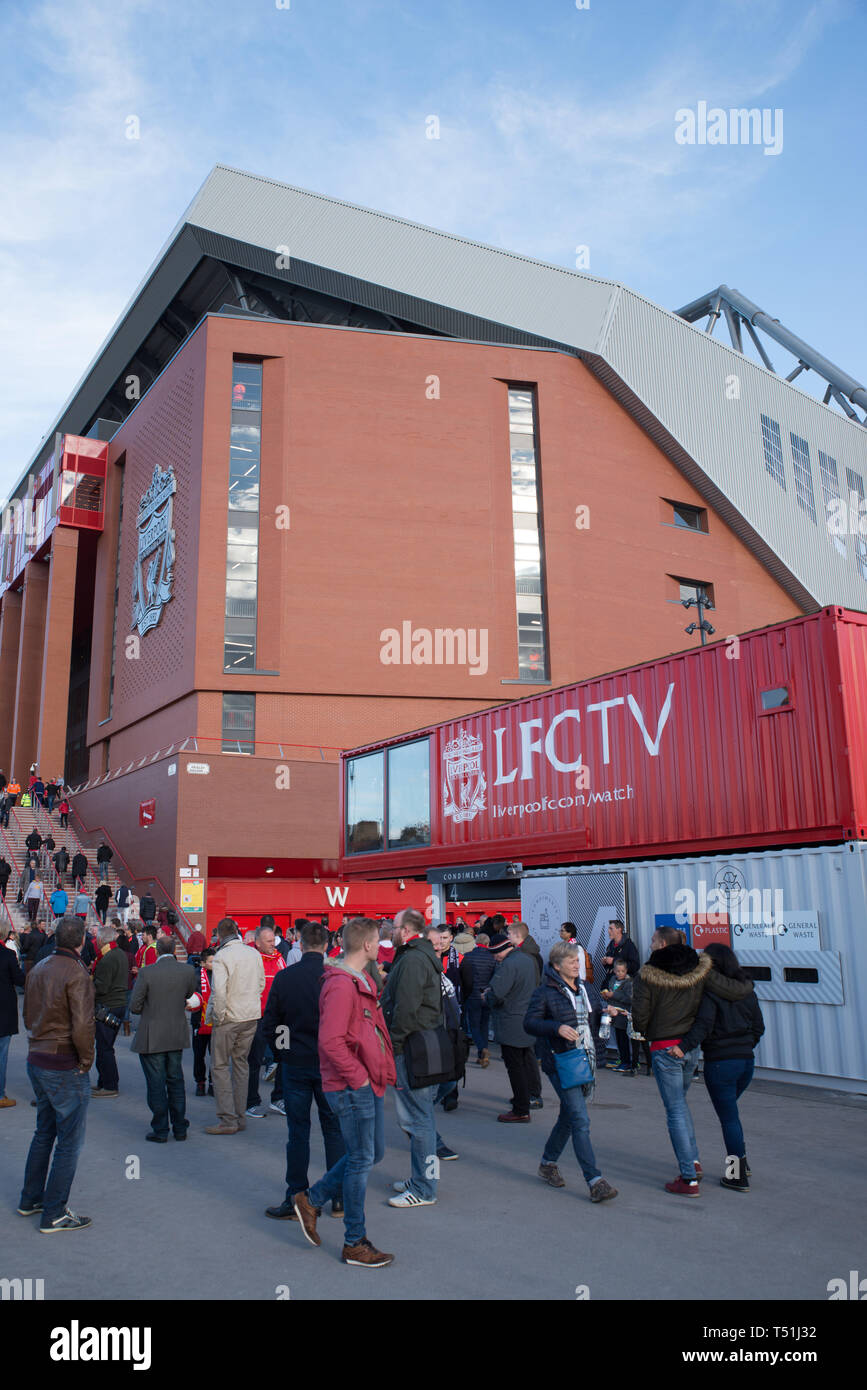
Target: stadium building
334 476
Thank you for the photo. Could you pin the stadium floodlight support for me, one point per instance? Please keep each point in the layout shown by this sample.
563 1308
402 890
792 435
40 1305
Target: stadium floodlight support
740 312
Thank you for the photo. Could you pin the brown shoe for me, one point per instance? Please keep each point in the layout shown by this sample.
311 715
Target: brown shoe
602 1191
242 1123
484 1058
220 1129
550 1173
6 1102
308 1215
127 1031
510 1118
365 1254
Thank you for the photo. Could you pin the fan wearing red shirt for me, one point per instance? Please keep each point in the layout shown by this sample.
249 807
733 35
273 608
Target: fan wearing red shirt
265 944
201 1029
146 954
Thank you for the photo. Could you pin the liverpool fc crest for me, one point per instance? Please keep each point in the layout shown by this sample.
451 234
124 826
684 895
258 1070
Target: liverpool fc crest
464 782
152 580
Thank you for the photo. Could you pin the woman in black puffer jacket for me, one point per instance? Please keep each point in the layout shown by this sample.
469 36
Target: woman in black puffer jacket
558 1017
728 1026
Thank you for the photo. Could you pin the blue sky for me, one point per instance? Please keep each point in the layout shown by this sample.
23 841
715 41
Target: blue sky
556 131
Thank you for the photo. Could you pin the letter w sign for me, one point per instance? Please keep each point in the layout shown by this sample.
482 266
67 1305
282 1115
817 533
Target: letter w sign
337 896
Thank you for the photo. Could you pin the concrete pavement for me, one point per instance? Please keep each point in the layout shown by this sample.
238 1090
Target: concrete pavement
192 1225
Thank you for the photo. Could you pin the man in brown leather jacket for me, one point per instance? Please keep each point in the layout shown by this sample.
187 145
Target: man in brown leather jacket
59 1015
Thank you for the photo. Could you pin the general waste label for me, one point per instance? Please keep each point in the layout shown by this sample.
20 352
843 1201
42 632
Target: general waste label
798 931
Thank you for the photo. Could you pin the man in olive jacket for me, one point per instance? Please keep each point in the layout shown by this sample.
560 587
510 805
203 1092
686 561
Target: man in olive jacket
110 976
509 993
666 996
160 996
412 1001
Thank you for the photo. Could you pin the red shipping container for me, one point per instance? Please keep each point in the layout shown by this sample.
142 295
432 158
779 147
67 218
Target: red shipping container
753 741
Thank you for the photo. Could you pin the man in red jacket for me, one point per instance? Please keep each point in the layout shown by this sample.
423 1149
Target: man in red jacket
357 1063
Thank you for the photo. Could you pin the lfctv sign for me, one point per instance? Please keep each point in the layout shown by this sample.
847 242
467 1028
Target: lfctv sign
533 744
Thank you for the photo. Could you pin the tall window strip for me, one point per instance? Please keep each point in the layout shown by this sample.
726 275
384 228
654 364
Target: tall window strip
239 722
773 446
527 530
803 476
830 481
116 593
856 484
242 549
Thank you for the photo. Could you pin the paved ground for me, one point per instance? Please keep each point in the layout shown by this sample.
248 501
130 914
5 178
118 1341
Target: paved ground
192 1226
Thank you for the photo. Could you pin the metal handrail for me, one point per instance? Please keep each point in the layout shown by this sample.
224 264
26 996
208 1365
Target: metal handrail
133 878
181 746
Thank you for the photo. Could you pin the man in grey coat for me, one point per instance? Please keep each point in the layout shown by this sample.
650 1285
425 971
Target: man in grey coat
509 992
160 996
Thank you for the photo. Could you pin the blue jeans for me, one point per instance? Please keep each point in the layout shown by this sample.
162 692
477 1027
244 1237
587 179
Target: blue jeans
572 1120
415 1115
673 1077
299 1091
61 1113
479 1020
4 1053
726 1082
164 1077
361 1116
103 872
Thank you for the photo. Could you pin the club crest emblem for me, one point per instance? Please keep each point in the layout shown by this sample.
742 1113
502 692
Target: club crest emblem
464 782
152 580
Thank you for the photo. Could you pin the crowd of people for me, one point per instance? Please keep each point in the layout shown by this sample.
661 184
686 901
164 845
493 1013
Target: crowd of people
338 1021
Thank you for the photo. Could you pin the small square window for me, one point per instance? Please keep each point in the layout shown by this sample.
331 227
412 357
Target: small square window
689 518
691 589
777 698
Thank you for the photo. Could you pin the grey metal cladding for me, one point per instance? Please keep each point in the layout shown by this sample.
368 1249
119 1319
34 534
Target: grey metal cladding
710 399
307 274
549 302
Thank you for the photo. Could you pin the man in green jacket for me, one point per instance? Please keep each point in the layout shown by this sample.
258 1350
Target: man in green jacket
110 976
412 1001
665 998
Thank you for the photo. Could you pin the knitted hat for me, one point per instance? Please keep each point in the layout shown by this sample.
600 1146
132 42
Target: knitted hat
499 944
463 942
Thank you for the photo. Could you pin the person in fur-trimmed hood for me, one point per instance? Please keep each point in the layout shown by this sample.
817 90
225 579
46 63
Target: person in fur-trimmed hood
666 995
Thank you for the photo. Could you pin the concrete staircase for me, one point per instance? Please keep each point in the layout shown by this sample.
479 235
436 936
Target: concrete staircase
12 844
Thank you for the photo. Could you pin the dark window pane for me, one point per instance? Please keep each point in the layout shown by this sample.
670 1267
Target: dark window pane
775 699
409 795
364 803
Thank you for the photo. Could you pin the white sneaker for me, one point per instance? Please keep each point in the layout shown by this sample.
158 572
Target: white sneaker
256 1112
400 1186
278 1106
409 1199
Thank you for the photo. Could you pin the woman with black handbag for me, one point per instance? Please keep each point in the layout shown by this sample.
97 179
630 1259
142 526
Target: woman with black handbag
559 1017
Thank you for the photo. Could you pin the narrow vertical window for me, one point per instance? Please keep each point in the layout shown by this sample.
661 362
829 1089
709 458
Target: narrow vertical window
773 447
239 722
856 485
242 549
122 470
527 530
830 493
803 476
